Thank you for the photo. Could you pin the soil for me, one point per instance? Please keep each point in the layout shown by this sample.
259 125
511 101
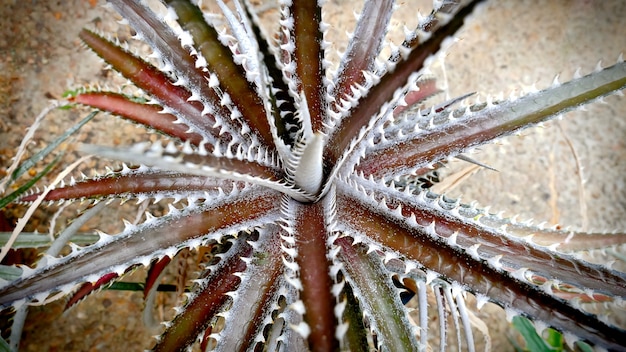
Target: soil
505 47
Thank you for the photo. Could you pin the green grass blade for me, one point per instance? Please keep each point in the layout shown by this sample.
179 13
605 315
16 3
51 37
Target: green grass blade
25 187
37 240
48 149
534 342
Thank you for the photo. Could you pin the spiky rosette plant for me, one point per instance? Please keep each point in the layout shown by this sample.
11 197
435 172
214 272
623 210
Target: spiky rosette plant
306 185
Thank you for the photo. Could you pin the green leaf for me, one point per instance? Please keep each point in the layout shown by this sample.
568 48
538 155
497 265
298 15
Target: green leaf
376 295
4 346
534 342
25 187
555 339
10 273
48 149
37 240
583 346
138 286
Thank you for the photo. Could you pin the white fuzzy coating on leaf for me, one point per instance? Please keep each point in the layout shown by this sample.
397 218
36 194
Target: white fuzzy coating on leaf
152 154
309 171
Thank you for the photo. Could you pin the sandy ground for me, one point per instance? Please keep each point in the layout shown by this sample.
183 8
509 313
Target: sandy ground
505 47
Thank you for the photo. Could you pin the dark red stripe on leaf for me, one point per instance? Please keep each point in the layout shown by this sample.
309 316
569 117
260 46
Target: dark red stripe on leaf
149 115
381 93
150 79
232 77
427 88
271 270
485 123
316 294
477 275
88 287
139 183
264 273
199 312
308 55
516 254
364 46
156 268
146 240
232 165
164 41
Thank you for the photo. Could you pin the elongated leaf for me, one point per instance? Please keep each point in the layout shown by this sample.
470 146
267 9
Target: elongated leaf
203 306
479 124
422 244
316 294
377 297
149 239
220 62
149 115
389 84
25 187
50 147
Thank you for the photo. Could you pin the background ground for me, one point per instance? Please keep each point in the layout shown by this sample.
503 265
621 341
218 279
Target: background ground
506 46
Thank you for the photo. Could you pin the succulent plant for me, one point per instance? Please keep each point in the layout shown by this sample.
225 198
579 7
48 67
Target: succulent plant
311 189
